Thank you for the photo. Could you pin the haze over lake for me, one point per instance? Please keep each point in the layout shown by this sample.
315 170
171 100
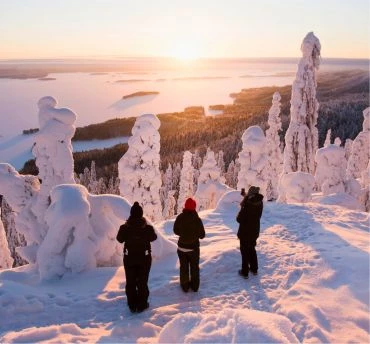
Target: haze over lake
97 96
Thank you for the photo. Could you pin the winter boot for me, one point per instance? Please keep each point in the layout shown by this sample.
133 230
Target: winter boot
242 274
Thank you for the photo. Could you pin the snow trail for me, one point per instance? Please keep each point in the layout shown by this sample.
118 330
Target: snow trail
313 269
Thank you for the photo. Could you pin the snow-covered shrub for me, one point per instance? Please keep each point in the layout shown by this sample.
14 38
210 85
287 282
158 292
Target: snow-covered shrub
82 230
337 141
360 151
68 245
301 139
331 169
210 183
6 260
139 167
296 187
253 160
274 156
186 181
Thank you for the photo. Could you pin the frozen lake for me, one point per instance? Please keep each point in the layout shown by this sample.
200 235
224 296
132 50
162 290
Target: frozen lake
97 97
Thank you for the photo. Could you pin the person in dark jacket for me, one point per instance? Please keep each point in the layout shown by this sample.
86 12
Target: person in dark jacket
249 229
189 227
137 235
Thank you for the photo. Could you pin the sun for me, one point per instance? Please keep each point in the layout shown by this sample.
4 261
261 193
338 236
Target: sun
185 52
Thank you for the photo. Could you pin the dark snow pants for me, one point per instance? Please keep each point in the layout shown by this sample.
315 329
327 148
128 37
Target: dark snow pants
137 275
249 256
189 262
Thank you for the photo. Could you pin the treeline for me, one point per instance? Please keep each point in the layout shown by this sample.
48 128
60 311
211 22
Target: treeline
342 96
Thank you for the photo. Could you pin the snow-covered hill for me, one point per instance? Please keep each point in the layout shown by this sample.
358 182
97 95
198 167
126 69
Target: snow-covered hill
313 286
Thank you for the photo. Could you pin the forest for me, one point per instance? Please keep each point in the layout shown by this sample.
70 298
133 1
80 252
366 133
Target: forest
342 97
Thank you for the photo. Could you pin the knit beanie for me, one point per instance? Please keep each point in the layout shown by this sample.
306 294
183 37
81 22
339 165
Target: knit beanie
190 204
136 211
253 190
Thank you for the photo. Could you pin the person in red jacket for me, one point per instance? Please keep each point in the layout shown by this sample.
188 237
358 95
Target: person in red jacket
189 227
137 235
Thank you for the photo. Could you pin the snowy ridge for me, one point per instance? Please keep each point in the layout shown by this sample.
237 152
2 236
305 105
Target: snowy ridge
314 268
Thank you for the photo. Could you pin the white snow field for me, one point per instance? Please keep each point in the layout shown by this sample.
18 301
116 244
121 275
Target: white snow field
312 286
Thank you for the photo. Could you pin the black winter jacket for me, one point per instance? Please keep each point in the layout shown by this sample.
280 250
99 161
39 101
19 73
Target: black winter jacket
189 227
249 218
137 235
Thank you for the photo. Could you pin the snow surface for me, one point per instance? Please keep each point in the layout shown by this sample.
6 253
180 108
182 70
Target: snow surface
312 286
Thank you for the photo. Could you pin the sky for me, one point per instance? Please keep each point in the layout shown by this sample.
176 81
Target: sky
181 28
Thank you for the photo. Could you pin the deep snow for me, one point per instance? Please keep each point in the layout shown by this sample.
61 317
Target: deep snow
313 286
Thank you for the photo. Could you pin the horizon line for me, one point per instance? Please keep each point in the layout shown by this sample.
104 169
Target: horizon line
118 57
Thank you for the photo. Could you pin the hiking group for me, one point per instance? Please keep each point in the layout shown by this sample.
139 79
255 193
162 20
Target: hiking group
137 234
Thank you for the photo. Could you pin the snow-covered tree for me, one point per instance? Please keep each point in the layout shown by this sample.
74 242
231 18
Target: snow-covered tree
230 179
93 186
253 160
14 238
331 169
169 208
365 192
140 178
348 148
6 260
360 152
296 187
167 185
197 164
210 183
21 192
186 180
301 139
53 151
26 195
221 162
328 138
274 156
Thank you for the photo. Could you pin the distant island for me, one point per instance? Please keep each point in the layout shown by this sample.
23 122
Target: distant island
201 78
131 80
140 94
47 79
